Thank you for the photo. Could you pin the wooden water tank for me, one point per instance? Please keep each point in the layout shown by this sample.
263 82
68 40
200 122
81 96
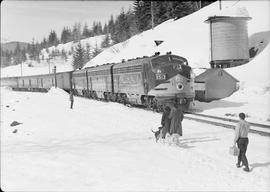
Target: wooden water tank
228 40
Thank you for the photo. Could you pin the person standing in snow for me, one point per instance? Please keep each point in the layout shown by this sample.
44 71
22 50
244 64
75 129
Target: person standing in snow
165 121
241 138
71 98
176 116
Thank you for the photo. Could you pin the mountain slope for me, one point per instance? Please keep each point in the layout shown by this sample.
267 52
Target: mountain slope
10 46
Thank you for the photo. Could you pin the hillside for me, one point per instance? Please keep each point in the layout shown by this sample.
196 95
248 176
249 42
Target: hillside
10 46
31 67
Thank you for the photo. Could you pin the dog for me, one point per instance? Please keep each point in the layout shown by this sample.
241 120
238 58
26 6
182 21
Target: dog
157 133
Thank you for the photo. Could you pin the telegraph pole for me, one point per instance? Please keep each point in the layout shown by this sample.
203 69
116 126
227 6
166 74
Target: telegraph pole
220 5
55 80
152 15
21 69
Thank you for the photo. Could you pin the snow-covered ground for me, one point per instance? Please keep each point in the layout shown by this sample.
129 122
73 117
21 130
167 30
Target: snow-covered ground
101 146
254 103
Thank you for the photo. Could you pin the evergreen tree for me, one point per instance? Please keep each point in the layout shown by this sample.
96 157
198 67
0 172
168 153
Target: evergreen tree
17 56
106 41
99 28
23 55
95 28
122 32
142 14
96 51
76 32
87 55
44 43
86 32
105 29
66 35
52 39
64 55
32 51
78 57
131 20
111 27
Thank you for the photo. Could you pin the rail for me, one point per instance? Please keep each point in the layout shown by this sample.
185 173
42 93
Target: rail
261 129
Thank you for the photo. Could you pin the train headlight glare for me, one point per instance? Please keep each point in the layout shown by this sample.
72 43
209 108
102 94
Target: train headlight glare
180 86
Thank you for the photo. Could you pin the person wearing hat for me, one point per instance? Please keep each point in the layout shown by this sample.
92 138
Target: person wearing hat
241 138
165 121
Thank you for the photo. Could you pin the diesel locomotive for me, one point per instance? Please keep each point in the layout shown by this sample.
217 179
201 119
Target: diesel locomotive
149 81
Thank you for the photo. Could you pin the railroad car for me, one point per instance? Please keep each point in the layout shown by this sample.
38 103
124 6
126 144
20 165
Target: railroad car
9 82
41 83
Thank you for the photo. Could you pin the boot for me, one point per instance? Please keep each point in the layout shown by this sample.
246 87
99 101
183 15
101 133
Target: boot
246 169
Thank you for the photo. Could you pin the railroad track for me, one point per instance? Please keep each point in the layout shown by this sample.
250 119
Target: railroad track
257 128
261 129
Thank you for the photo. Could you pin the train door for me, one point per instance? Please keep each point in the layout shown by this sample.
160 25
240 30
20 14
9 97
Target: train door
41 82
90 83
145 77
106 83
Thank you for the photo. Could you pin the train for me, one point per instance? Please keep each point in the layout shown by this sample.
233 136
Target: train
147 81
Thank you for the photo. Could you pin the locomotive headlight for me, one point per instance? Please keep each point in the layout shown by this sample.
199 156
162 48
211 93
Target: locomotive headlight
177 78
158 71
180 86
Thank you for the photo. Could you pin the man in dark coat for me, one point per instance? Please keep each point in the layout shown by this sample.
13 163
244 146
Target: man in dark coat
165 121
176 116
71 98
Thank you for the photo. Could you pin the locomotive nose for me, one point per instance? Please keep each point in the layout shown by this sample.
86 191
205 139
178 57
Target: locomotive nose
169 88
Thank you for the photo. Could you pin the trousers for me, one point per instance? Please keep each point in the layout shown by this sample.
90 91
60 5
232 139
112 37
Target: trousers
71 104
242 144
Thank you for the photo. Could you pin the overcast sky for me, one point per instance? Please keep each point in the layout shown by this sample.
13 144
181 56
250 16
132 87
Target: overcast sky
25 20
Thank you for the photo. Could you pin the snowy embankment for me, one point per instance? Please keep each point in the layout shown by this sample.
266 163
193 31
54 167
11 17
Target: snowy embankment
109 147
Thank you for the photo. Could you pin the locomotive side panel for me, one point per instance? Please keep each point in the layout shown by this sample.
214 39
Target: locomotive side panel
129 79
99 80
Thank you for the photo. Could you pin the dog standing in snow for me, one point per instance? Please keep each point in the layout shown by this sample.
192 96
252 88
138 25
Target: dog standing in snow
157 133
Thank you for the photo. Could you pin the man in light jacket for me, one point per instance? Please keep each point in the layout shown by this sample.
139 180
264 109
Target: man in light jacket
241 138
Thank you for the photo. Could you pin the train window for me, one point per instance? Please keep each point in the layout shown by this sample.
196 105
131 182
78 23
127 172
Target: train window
170 65
41 83
23 82
30 82
166 60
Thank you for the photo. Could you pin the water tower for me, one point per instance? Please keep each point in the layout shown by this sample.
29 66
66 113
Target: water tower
229 38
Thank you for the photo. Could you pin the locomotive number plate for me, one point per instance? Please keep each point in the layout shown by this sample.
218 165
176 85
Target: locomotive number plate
160 76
